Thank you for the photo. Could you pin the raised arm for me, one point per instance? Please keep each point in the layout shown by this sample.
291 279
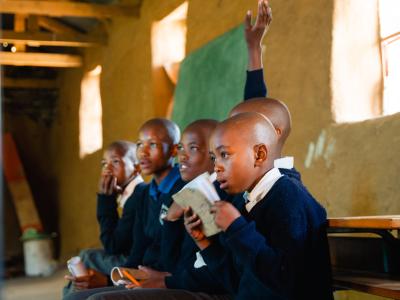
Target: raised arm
255 85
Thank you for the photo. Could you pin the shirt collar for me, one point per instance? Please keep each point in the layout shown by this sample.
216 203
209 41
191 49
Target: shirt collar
166 184
286 162
129 190
262 188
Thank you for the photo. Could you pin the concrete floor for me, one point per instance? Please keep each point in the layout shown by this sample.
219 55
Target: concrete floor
35 288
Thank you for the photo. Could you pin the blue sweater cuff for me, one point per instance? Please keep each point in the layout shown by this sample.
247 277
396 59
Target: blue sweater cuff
235 227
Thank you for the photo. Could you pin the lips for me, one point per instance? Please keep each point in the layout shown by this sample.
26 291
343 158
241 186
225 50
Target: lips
223 183
145 164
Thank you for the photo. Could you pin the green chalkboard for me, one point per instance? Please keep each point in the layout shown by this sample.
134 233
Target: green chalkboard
211 79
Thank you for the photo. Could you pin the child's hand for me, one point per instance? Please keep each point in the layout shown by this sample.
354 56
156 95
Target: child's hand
156 279
225 214
193 226
255 33
93 280
108 184
175 212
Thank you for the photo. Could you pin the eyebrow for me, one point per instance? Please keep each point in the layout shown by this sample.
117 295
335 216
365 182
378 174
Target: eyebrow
221 147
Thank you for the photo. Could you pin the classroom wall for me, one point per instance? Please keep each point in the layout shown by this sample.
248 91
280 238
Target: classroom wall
349 167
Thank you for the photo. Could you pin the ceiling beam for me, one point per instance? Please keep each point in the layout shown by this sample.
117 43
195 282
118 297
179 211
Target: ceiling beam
29 83
20 26
68 8
51 39
55 26
40 59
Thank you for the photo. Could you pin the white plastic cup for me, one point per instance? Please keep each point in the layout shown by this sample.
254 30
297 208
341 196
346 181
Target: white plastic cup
76 267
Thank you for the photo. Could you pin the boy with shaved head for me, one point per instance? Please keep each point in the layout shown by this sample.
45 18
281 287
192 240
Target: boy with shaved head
276 246
156 151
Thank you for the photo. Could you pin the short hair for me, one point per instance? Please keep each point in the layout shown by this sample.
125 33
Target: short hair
172 129
128 149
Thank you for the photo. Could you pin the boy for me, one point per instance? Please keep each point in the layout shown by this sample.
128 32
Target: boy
119 179
276 248
156 150
178 249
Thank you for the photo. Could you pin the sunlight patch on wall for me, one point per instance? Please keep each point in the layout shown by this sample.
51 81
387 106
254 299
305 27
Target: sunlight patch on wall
168 41
90 114
390 35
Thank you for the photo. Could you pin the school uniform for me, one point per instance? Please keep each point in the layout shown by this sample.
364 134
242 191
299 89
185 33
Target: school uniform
180 257
149 220
255 86
278 248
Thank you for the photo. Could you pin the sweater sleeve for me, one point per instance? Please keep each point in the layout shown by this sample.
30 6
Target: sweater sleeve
116 232
273 262
255 86
172 235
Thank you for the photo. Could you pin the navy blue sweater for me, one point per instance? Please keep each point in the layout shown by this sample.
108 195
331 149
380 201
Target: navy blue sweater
146 248
278 249
179 254
116 232
255 85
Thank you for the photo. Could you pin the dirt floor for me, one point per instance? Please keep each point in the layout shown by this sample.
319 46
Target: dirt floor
38 288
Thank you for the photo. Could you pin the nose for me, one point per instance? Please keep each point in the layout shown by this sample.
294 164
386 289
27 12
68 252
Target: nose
217 167
182 156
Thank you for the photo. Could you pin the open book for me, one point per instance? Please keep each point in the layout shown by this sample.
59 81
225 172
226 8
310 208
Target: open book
200 194
123 276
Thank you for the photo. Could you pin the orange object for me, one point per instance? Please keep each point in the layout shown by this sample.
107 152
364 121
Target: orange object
14 174
131 278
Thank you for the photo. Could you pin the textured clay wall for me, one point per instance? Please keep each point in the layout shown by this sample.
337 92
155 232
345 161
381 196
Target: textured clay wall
351 168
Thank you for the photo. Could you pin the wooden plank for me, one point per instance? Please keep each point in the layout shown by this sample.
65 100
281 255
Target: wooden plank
68 8
29 83
33 24
40 60
19 26
375 284
55 26
50 39
21 194
371 222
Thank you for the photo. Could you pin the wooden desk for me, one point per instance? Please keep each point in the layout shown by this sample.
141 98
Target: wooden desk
384 283
367 222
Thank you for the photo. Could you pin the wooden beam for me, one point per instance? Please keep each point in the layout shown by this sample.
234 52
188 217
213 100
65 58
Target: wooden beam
50 39
33 24
68 8
29 83
20 26
40 60
55 26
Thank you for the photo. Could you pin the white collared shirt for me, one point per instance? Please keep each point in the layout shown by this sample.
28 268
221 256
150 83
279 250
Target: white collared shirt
121 200
262 188
286 162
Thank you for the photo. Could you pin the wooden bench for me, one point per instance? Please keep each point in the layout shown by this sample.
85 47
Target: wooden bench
365 254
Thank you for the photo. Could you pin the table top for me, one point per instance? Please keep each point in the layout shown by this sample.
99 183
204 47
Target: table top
374 222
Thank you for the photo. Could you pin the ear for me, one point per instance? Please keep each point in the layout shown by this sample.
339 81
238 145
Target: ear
260 154
278 131
174 150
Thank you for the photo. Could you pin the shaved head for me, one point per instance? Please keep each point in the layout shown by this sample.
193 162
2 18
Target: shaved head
168 129
276 111
252 127
128 149
244 148
205 126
